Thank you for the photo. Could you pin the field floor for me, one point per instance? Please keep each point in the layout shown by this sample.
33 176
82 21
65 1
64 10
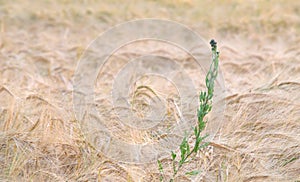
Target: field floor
41 43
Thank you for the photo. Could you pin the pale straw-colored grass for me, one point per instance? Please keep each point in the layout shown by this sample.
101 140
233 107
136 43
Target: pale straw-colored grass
40 44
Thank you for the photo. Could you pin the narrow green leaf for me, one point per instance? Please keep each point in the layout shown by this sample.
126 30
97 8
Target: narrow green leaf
160 167
173 156
192 173
195 131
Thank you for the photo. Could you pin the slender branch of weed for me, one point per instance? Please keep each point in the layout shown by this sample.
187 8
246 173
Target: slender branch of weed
205 107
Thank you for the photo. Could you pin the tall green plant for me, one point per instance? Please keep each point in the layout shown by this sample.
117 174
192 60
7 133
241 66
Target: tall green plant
205 99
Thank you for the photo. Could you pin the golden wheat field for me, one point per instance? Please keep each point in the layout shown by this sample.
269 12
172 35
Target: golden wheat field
41 43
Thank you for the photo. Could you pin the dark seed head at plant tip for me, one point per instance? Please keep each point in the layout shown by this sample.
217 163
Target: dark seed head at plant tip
213 43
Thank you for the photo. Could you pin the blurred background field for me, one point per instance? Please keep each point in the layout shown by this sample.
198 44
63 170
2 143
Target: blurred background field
40 45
